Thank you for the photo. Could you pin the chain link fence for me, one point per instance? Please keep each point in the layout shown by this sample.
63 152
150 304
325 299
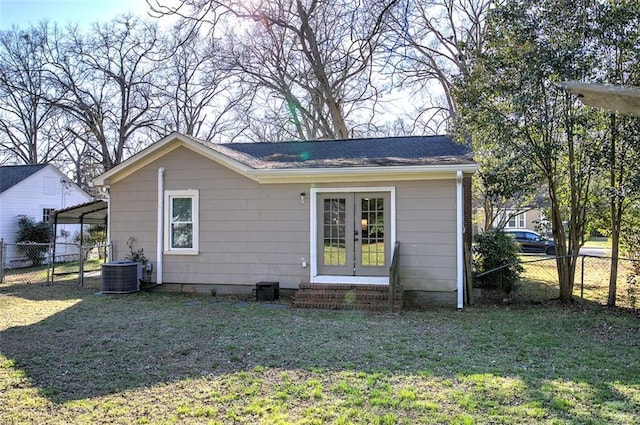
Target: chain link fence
51 263
539 280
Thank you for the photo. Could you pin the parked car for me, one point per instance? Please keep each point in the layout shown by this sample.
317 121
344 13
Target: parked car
531 241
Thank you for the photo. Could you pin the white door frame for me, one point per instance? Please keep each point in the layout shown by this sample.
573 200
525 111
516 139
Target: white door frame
313 231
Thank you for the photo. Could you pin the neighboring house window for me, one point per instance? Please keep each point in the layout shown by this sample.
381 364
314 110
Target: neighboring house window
517 221
181 223
522 222
46 214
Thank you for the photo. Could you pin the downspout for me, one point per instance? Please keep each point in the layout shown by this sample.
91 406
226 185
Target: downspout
109 249
459 240
160 228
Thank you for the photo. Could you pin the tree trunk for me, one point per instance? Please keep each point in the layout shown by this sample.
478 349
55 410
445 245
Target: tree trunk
488 215
613 274
616 220
563 263
616 216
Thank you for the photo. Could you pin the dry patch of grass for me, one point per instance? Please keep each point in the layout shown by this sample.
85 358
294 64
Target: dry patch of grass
69 355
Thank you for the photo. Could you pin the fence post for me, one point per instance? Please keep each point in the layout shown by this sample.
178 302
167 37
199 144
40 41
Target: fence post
51 252
81 266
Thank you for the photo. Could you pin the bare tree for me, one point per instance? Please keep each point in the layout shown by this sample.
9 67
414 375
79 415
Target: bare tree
198 92
311 61
104 80
26 116
430 44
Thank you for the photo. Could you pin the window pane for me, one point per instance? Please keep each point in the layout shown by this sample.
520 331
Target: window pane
181 235
334 216
181 209
372 225
181 222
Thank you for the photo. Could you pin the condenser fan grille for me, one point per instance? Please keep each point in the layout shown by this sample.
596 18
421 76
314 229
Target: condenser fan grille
120 277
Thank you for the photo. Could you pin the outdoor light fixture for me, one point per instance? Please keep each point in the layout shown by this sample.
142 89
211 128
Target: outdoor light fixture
302 195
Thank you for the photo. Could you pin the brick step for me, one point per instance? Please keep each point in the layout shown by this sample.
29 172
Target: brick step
346 297
339 295
342 300
342 287
344 306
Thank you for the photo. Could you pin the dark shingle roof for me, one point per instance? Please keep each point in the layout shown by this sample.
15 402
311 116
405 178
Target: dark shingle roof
10 175
388 151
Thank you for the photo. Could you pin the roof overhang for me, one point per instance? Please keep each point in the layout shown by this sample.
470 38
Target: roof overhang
360 174
159 149
281 175
94 212
625 100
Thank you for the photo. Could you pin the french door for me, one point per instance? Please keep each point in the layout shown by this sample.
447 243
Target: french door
353 234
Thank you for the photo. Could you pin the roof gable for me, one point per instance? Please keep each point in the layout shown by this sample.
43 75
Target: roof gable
10 175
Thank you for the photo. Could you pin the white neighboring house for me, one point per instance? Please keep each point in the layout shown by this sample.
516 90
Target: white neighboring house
35 191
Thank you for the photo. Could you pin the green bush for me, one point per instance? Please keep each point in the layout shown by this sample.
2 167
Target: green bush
497 251
33 238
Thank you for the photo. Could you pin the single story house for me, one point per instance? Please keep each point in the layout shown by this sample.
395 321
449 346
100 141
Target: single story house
224 217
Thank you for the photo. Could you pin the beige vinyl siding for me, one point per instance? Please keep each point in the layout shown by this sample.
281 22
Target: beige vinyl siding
426 229
248 233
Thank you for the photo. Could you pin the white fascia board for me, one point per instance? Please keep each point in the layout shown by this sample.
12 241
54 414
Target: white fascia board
135 162
359 174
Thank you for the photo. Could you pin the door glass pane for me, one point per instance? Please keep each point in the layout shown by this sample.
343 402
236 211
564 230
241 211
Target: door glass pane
334 242
372 230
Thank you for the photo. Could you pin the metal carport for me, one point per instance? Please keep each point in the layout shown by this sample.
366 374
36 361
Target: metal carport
94 212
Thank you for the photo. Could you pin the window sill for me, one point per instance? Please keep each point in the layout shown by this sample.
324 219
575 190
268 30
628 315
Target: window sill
186 252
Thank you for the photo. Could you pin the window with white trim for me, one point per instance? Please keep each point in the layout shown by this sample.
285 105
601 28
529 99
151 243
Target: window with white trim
522 222
516 221
181 221
46 214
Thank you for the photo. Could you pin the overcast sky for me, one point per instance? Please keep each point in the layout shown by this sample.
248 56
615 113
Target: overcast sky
25 12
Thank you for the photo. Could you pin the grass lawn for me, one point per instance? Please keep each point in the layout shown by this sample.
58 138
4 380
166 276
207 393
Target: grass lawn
70 355
597 242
